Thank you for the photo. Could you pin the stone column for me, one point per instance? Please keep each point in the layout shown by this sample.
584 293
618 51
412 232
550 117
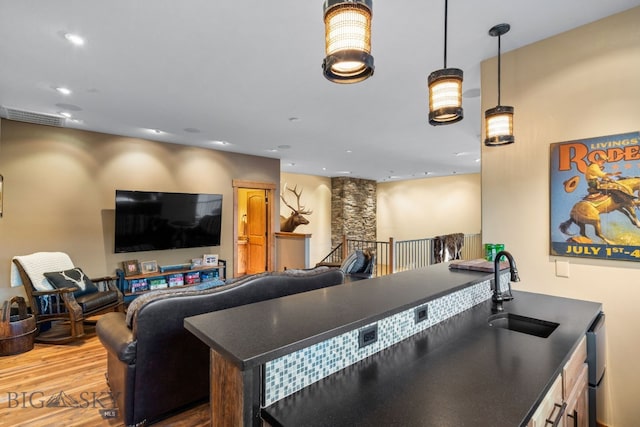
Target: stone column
353 209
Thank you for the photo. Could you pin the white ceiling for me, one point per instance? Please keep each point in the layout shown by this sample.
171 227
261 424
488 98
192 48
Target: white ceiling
249 73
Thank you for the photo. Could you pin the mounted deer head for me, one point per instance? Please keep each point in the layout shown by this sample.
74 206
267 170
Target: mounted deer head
295 219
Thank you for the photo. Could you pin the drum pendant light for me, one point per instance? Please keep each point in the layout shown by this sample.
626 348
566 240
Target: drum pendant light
445 89
499 120
347 40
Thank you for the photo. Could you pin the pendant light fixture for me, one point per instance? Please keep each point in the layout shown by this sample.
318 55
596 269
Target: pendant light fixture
445 89
347 40
499 120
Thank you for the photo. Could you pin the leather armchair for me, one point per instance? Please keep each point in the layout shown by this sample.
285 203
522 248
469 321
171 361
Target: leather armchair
155 367
61 296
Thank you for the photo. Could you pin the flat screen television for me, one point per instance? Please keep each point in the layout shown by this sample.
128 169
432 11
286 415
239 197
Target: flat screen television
151 221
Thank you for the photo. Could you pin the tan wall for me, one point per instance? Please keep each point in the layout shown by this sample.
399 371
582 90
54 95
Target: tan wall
316 195
580 84
453 204
60 190
429 207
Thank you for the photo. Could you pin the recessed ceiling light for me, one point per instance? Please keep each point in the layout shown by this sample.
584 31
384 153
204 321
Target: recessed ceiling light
220 142
156 131
292 164
345 172
348 151
74 39
63 90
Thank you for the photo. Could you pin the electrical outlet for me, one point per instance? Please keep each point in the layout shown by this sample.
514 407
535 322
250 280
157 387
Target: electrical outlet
368 335
421 313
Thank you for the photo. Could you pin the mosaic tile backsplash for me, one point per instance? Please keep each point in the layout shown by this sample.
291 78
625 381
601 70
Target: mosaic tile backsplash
293 372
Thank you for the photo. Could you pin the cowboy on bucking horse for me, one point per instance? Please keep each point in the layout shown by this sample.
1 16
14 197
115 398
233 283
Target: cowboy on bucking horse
602 182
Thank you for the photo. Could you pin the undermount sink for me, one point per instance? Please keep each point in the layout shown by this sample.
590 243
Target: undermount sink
526 325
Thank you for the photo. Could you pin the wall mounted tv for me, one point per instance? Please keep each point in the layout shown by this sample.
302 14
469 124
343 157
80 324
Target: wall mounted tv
151 221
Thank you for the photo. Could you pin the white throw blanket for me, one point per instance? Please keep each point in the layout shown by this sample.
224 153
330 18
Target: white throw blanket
36 264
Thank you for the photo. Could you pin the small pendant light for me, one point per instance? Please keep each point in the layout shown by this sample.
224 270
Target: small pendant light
347 40
499 120
445 89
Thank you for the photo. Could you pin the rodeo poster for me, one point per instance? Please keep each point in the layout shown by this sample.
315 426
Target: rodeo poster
593 197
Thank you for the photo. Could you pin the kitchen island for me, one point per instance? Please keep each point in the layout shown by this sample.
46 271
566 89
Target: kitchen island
458 371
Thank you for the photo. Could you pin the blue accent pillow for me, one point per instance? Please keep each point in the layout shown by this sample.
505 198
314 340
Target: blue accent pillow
73 278
348 262
360 262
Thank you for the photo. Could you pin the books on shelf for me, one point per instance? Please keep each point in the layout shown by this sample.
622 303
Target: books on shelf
176 280
192 278
208 275
169 277
157 283
175 267
138 285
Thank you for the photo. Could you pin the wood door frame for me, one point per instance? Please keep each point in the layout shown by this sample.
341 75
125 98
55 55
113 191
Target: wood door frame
270 190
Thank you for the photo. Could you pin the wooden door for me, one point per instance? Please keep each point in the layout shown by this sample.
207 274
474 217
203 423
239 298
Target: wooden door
256 231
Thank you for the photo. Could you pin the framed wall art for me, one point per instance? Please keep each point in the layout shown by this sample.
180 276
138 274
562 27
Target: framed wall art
131 267
594 185
210 259
149 266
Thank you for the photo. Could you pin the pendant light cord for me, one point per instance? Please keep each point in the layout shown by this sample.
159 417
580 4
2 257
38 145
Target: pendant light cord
499 68
446 8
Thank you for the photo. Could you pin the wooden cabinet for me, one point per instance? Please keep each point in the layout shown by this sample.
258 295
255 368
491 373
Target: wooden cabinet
575 388
551 409
242 257
577 410
572 369
566 403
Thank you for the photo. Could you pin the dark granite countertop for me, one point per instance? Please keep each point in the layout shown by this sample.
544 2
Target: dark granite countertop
461 372
253 334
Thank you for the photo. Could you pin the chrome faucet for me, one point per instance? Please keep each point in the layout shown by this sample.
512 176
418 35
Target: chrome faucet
498 297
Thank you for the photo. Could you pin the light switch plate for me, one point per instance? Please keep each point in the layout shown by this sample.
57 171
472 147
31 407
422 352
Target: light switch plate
562 268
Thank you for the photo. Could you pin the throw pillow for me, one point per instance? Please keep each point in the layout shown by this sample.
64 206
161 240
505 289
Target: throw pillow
370 260
73 278
347 264
360 263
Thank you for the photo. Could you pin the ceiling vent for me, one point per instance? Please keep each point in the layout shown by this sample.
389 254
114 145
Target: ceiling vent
31 117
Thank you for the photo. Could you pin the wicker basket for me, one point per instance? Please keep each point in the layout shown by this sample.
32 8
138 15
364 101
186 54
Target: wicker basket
18 331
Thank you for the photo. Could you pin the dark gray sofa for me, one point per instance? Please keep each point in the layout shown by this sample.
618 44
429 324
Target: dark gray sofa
155 367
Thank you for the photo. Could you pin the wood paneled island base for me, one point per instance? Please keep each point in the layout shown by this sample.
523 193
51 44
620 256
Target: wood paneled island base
233 390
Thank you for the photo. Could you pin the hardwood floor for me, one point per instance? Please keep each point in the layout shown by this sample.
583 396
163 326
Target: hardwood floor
64 385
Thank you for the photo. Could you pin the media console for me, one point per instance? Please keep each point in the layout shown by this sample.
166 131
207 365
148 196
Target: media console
134 285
